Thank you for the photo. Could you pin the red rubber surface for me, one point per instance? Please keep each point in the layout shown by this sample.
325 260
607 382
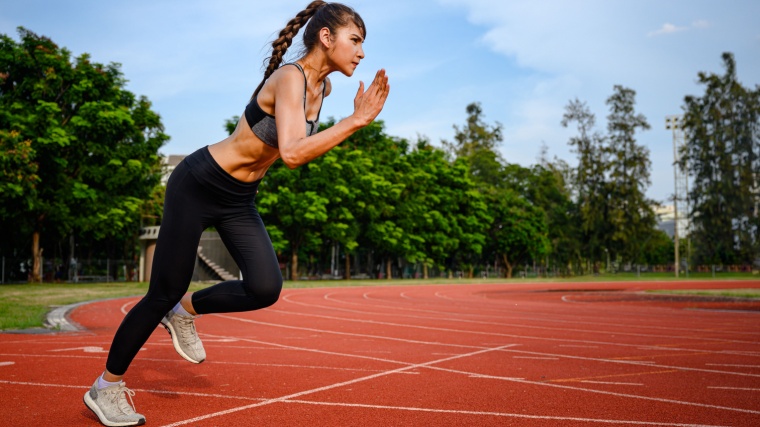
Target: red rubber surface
446 355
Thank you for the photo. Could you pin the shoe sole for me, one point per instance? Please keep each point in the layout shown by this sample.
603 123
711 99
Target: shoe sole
92 406
175 342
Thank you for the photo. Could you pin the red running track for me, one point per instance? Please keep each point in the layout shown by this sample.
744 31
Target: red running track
559 354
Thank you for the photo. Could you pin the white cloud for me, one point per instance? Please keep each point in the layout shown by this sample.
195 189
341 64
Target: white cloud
523 60
582 48
667 28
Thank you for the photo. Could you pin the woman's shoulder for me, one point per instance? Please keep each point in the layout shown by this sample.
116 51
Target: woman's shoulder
284 80
328 86
288 72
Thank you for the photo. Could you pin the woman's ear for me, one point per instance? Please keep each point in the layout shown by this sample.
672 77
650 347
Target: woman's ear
325 37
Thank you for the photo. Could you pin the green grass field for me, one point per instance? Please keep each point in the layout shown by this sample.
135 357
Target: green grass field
24 306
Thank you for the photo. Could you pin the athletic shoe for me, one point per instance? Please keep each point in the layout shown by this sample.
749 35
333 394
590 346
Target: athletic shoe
185 339
113 405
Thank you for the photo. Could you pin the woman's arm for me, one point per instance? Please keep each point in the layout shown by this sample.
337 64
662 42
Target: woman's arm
296 148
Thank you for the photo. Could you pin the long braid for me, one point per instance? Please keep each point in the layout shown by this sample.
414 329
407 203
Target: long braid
285 39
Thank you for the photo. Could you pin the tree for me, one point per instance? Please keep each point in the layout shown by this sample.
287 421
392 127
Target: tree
476 142
659 249
722 156
366 188
544 187
590 180
441 212
630 213
92 145
518 230
293 210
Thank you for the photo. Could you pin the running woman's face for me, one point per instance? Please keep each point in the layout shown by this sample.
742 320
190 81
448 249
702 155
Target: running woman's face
346 51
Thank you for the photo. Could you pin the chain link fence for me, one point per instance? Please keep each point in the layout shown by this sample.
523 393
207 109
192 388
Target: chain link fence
18 270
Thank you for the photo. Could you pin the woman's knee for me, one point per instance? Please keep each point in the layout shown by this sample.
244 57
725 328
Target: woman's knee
264 292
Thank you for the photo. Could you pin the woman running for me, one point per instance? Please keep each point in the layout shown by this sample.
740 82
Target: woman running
216 186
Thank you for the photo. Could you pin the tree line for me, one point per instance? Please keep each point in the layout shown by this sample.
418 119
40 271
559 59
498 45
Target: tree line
81 176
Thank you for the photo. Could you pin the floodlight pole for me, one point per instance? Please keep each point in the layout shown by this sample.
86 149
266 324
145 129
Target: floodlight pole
674 123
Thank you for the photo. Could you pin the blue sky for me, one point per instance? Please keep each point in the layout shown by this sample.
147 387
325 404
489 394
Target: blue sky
198 61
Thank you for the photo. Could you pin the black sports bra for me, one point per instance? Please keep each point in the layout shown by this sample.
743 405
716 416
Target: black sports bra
263 125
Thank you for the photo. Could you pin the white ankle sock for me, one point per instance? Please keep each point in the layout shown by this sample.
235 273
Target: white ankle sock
103 383
181 310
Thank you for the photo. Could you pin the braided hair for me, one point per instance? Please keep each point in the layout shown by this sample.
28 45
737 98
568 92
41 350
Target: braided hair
318 14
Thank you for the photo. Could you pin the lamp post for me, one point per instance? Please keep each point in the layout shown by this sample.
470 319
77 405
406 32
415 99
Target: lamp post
607 270
673 123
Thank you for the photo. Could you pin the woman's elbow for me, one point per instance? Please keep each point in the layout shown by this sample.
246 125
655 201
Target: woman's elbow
290 160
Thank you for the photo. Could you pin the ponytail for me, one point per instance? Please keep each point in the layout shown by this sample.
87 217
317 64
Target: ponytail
318 14
285 39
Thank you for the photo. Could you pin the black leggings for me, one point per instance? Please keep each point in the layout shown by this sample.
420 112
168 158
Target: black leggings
200 194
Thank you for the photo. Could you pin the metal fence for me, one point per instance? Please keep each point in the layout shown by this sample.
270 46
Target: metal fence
18 270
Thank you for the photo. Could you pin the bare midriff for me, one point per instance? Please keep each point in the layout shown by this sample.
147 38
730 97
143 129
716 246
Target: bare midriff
243 155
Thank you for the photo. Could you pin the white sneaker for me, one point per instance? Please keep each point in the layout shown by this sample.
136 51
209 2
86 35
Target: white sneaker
113 405
184 337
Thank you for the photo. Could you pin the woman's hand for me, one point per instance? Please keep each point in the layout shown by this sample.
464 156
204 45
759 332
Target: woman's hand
367 105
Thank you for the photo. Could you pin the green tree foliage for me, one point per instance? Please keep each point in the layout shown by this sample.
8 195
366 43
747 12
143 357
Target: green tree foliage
79 157
659 249
89 147
441 210
590 181
722 155
615 217
631 216
519 200
357 182
518 231
545 187
294 209
477 143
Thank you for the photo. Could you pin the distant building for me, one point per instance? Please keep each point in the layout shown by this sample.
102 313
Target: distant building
213 261
666 219
169 163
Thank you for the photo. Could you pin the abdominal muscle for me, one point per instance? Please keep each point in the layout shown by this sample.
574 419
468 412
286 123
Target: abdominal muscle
243 155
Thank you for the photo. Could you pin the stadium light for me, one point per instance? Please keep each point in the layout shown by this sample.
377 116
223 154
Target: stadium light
674 123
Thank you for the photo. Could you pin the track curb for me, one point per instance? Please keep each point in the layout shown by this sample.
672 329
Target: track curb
58 319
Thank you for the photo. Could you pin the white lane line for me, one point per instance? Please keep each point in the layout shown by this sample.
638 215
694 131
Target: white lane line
732 366
442 296
609 383
324 331
142 390
225 363
349 355
737 388
86 349
535 357
124 309
405 296
306 402
7 363
521 325
635 362
576 321
331 386
380 337
591 390
496 414
578 346
506 348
